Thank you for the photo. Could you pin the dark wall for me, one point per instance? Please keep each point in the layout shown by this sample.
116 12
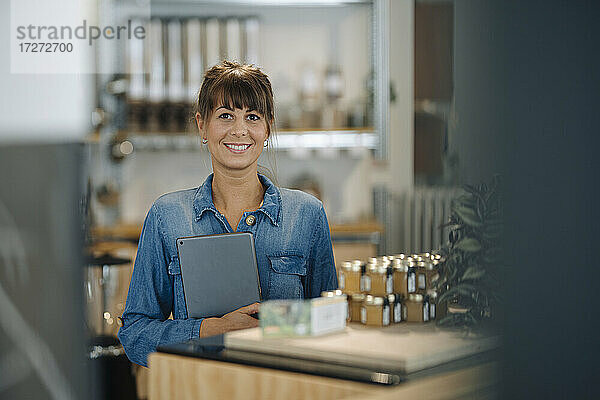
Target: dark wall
527 85
476 130
42 343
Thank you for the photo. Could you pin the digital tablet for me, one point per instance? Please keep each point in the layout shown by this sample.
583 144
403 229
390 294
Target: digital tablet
219 273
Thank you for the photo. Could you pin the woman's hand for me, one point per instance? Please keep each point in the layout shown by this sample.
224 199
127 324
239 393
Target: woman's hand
233 321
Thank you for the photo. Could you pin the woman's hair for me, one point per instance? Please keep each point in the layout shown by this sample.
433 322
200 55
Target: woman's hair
236 85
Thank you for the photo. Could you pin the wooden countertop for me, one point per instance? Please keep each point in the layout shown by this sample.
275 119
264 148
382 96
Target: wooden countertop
408 347
187 378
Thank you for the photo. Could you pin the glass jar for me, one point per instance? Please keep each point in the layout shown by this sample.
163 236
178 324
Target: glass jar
411 277
378 278
421 277
375 311
399 256
352 274
356 302
399 313
395 308
432 304
389 280
433 273
365 279
417 308
343 271
400 277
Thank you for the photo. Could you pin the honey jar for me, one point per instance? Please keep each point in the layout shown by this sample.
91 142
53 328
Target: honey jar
356 302
411 277
378 275
421 277
375 311
351 277
400 277
365 279
432 294
432 273
342 272
396 308
399 314
417 308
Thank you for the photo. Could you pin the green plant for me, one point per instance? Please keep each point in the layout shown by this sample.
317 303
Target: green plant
472 257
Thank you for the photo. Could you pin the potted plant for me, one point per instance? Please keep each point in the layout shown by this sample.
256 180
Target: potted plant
468 283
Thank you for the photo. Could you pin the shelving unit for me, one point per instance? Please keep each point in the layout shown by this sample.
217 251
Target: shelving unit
286 140
319 25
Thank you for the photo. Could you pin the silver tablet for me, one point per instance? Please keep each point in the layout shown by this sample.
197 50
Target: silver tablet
219 273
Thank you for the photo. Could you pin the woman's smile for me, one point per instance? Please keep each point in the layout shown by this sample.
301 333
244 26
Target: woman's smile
237 148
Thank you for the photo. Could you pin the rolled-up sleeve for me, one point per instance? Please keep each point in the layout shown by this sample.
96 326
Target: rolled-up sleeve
150 298
322 273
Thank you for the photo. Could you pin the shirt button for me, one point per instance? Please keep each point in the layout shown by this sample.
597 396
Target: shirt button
250 220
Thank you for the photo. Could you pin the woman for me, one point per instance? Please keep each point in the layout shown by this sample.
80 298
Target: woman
293 248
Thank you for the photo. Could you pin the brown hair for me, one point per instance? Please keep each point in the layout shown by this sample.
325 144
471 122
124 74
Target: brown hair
236 85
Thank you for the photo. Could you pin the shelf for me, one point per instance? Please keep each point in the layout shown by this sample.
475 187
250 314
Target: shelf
285 140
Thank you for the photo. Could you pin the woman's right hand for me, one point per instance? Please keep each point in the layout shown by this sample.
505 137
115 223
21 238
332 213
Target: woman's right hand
233 321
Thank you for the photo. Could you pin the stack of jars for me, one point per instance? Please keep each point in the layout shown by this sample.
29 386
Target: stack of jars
391 289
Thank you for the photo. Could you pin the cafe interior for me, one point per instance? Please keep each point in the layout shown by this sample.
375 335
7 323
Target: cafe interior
447 141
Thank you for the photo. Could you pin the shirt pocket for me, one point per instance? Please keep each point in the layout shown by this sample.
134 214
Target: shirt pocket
287 275
179 307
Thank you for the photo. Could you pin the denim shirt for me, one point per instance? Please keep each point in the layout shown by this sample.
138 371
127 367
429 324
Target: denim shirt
293 251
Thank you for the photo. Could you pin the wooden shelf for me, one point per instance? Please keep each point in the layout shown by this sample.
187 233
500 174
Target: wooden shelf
346 138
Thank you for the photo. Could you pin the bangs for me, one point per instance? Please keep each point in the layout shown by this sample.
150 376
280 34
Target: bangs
234 91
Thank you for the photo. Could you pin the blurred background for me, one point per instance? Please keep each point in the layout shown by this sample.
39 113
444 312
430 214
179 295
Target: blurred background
384 109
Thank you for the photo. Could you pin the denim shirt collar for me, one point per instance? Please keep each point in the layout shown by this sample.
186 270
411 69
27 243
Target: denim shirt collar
271 202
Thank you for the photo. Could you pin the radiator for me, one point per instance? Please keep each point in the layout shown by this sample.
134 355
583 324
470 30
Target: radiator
412 219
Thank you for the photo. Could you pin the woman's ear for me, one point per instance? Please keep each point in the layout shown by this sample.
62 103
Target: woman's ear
200 124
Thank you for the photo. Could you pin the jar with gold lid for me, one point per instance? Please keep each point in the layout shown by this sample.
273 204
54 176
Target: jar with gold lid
375 311
378 277
399 313
389 282
432 273
421 277
365 278
417 308
343 270
411 277
355 301
432 297
396 308
399 276
351 277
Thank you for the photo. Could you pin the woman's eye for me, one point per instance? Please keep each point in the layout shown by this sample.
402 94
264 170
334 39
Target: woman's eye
253 117
225 116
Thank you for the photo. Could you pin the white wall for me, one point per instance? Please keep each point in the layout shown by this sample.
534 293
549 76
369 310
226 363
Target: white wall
347 182
42 107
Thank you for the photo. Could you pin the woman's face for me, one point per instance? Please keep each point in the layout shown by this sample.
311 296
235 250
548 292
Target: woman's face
235 137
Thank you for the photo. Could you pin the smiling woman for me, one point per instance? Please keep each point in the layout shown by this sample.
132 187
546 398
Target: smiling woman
291 234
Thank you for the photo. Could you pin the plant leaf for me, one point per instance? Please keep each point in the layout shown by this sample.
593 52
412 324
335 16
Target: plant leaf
469 216
473 273
469 245
464 289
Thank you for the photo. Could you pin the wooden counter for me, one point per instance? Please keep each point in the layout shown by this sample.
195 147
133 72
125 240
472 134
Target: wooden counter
434 362
187 378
